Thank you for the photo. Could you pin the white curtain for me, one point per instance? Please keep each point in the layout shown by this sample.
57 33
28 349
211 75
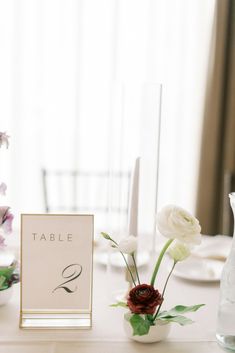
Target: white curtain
60 65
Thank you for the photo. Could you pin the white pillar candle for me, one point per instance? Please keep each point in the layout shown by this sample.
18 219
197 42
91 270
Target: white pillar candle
133 213
134 200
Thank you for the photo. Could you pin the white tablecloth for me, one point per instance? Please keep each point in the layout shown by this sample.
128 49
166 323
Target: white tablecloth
107 333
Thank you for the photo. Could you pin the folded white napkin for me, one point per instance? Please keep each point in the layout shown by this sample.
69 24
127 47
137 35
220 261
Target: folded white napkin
213 247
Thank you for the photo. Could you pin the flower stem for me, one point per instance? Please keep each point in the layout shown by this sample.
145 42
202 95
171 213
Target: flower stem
168 277
128 268
136 270
158 263
107 236
164 289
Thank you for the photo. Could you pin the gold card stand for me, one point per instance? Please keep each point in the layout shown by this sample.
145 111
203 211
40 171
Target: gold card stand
29 320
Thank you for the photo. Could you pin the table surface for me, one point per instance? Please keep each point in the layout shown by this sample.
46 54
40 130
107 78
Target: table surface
107 331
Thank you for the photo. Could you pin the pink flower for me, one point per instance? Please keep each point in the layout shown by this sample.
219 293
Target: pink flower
4 139
6 219
2 242
3 211
3 188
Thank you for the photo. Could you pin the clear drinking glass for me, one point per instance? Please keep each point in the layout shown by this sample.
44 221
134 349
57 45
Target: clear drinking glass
225 332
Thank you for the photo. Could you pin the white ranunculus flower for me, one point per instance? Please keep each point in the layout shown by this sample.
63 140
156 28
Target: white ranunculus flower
128 245
176 223
179 251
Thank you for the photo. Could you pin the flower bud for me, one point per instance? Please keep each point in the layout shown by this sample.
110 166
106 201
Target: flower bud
105 236
128 245
179 252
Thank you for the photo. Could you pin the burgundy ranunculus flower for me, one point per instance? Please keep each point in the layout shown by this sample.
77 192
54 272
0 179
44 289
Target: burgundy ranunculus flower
143 299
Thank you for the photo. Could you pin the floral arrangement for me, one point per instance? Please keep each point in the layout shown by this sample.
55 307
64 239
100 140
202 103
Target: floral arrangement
7 275
144 301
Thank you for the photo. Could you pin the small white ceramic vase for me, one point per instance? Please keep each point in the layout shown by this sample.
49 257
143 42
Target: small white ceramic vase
156 333
5 295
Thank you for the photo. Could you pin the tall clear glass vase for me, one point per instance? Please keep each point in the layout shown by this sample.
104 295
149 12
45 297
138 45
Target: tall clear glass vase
225 332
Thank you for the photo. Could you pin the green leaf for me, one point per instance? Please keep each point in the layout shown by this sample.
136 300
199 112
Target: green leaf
119 304
180 319
180 309
2 280
150 319
7 271
140 325
162 314
173 314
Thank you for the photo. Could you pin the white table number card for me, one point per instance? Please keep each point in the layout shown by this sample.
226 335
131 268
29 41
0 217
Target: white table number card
56 271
